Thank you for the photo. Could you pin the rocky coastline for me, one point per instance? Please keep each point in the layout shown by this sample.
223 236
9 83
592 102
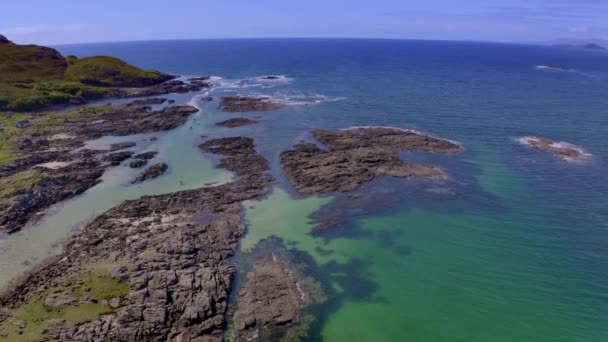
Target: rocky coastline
165 260
31 187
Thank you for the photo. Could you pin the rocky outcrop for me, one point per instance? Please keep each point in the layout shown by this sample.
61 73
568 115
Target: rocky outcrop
270 77
137 163
270 297
171 252
151 172
236 122
130 119
173 86
122 145
387 138
357 156
200 78
117 157
234 104
562 150
241 158
146 155
52 187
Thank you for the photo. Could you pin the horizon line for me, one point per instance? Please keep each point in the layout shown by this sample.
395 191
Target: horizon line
310 37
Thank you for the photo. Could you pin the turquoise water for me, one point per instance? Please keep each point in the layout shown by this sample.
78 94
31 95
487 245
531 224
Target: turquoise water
514 247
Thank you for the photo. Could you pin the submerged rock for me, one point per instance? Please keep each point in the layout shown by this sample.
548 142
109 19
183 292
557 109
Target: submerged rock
247 104
236 122
151 172
357 156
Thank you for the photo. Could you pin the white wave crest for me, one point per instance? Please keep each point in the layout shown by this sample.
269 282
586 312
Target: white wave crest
299 98
269 81
583 154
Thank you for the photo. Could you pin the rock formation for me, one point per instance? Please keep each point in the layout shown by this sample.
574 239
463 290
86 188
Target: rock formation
234 104
236 122
562 150
356 156
151 172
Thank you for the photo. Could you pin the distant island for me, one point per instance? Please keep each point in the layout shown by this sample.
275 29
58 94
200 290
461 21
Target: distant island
587 44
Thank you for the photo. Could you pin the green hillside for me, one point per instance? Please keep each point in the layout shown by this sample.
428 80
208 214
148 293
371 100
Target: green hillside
34 77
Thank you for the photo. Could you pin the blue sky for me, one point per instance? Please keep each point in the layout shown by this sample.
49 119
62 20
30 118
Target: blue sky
74 21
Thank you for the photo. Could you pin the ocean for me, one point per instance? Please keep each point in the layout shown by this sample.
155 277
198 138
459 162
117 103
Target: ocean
513 247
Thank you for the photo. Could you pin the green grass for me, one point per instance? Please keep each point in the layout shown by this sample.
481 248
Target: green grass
21 180
36 315
30 63
36 77
108 71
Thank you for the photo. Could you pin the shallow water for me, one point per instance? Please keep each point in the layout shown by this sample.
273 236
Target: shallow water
512 248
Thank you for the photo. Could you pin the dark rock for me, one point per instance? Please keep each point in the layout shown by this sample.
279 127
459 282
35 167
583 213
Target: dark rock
207 98
270 77
200 78
247 104
137 163
147 102
146 155
357 156
122 145
242 157
562 150
237 122
117 157
173 86
152 172
171 101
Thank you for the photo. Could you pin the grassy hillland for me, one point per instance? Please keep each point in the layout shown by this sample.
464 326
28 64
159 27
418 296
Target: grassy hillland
35 77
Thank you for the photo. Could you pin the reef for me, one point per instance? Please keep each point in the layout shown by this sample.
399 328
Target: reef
359 155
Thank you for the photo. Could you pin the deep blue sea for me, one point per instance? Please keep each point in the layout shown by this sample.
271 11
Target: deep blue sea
514 247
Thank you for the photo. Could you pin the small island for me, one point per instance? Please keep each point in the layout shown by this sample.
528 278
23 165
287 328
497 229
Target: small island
358 155
561 150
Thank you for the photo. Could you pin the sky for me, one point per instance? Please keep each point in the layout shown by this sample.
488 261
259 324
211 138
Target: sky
77 21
